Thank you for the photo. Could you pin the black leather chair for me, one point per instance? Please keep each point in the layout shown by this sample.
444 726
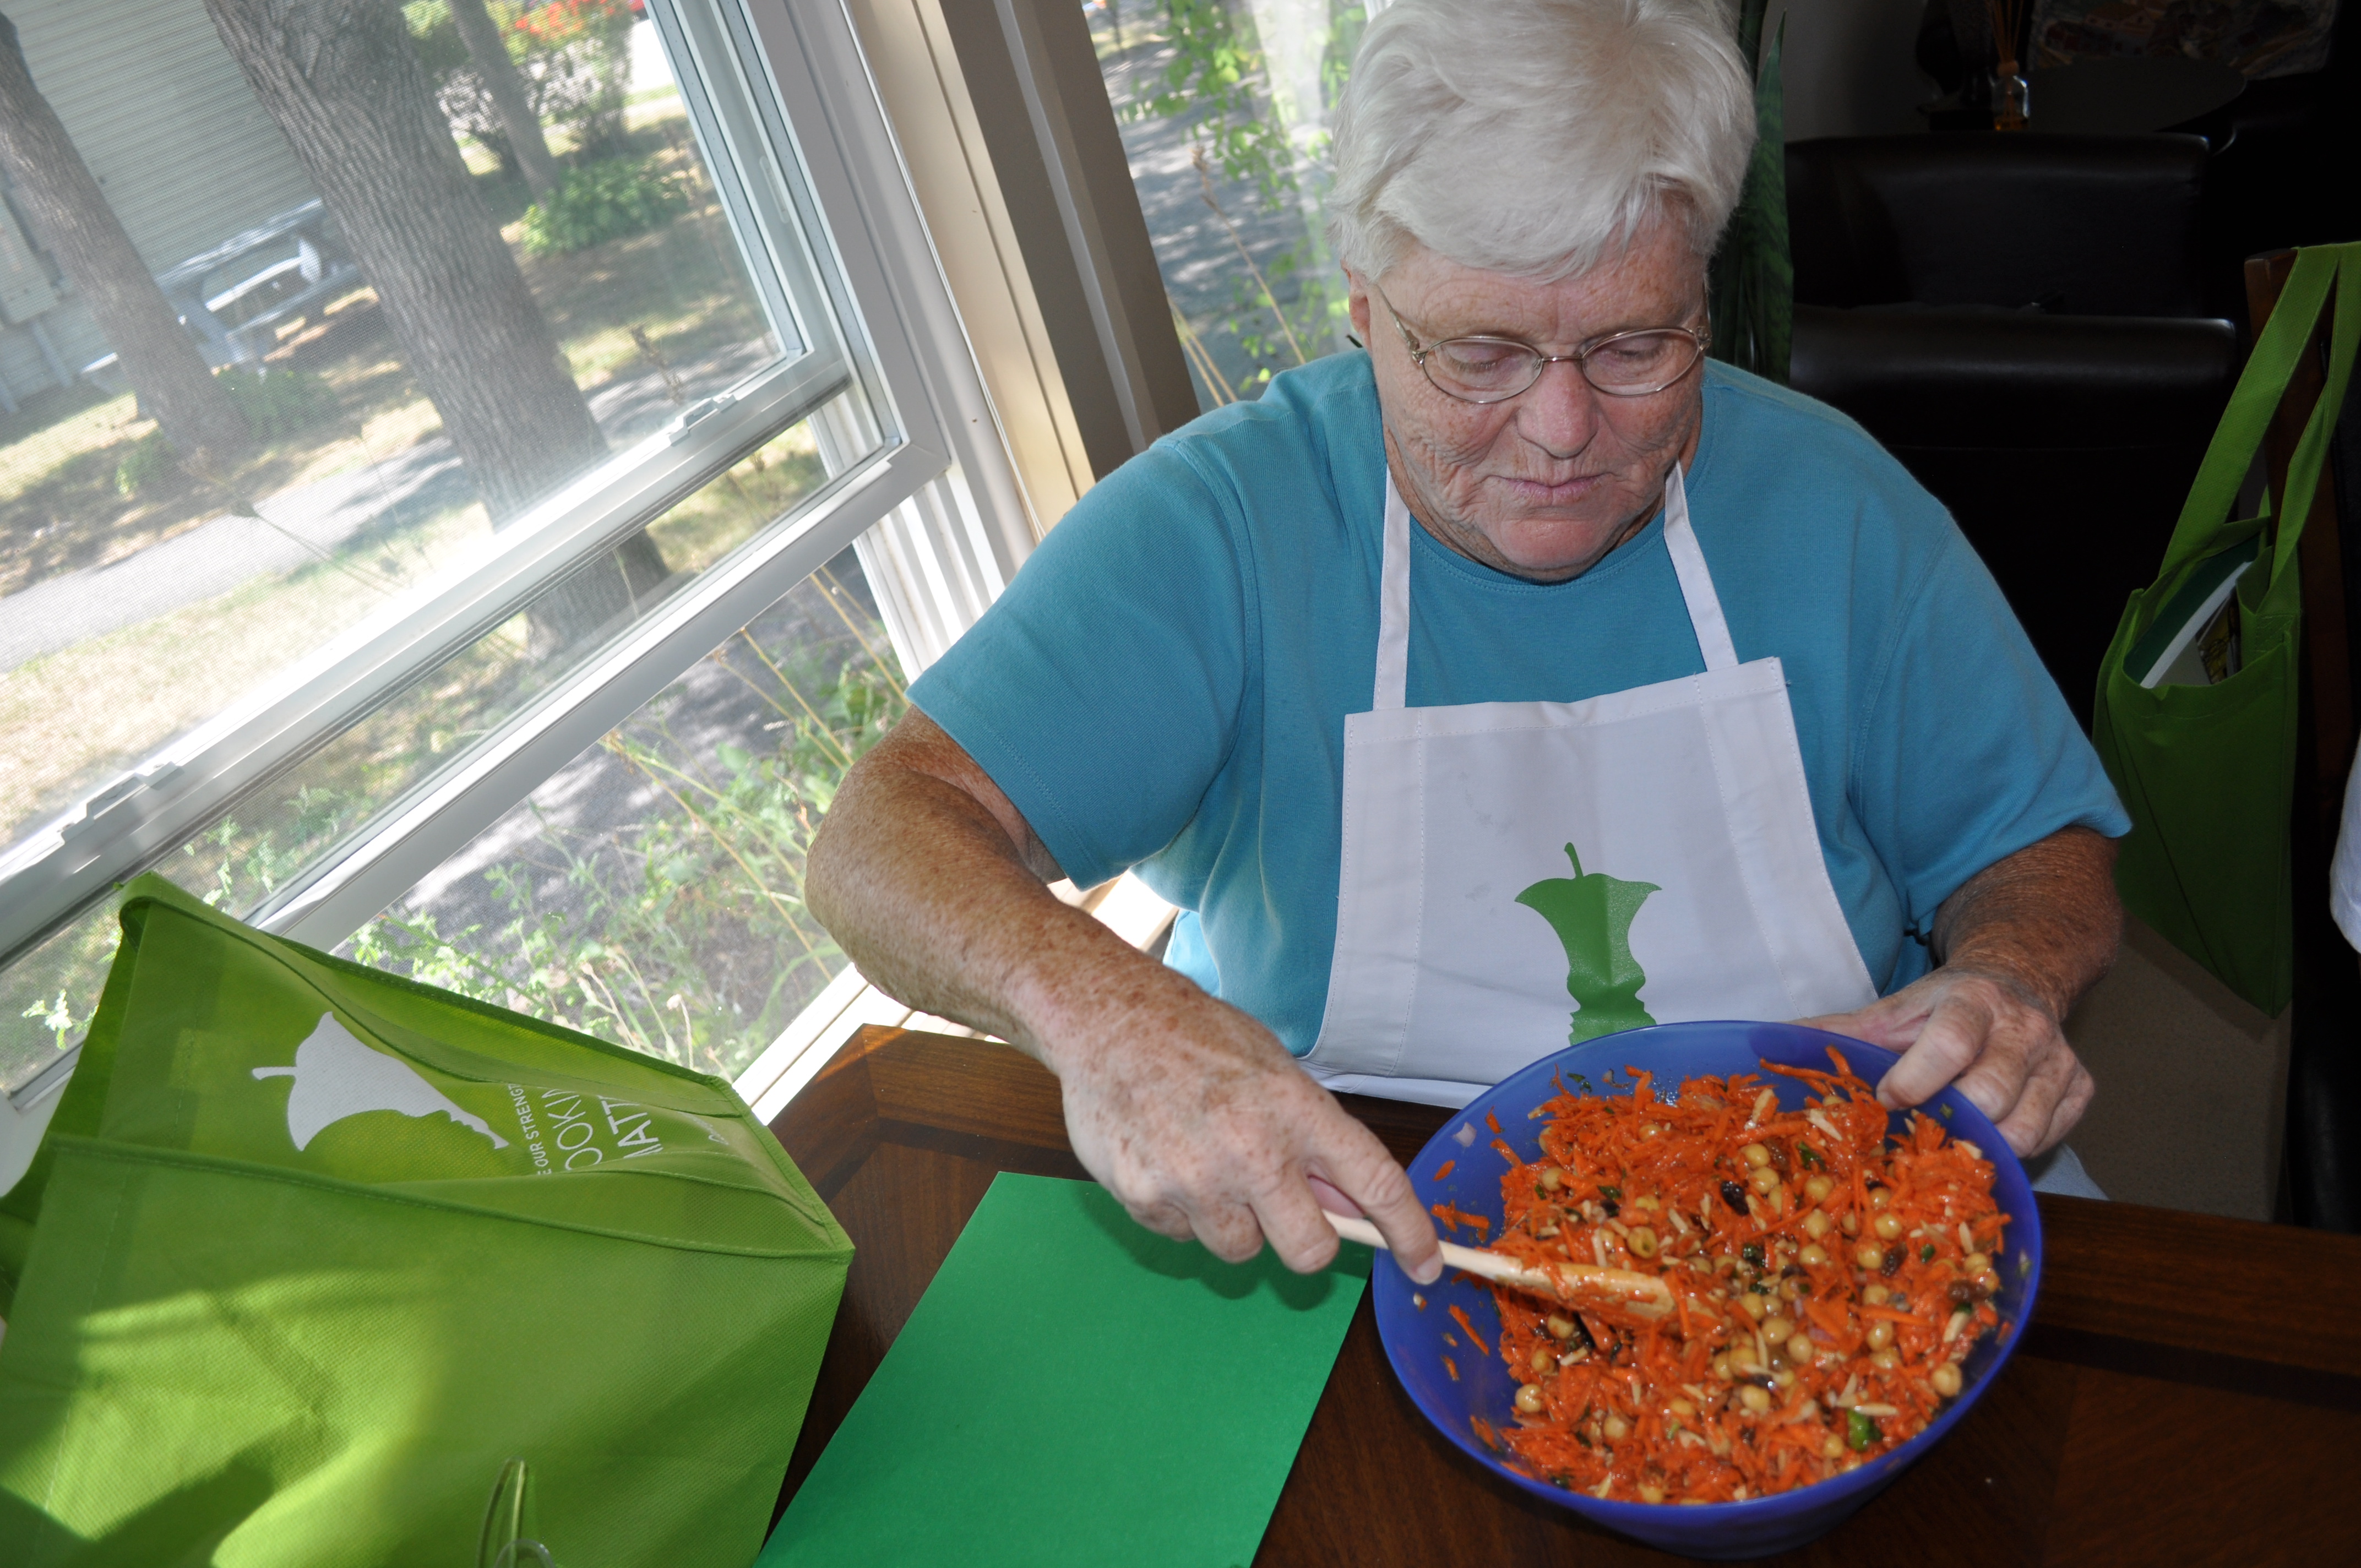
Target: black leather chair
2019 319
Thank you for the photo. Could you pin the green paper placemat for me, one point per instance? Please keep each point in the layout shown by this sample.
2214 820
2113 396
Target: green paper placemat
1073 1389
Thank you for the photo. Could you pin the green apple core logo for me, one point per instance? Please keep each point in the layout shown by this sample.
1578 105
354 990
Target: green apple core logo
1592 917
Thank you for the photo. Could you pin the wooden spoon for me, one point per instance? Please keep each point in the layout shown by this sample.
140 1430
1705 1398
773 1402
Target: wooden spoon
1607 1292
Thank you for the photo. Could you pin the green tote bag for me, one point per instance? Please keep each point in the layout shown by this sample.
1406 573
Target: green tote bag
316 1251
2207 769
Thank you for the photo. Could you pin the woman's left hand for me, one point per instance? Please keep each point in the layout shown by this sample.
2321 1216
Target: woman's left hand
2018 945
1986 1033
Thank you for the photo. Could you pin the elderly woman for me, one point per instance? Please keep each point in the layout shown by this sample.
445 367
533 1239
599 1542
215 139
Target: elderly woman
1528 657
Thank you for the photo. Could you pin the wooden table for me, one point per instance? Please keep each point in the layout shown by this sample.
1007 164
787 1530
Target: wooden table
2189 1391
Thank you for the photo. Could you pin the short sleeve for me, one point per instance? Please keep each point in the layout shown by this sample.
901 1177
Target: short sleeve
1967 751
1102 692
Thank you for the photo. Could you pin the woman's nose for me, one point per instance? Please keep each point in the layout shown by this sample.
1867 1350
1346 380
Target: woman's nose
1559 413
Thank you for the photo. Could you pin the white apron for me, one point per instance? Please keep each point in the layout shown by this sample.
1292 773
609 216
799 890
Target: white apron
1700 892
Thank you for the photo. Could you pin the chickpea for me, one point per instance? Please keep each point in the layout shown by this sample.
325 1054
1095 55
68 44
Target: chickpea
1682 1408
1887 1224
1755 1155
1800 1348
1742 1363
1721 1368
1945 1379
1616 1428
1876 1295
1793 1290
1753 1306
1646 1200
1832 1447
1852 1225
1775 1330
1551 1179
1648 1494
1542 1358
1641 1240
1559 1327
1975 1263
1886 1360
1881 1334
1529 1399
1755 1398
1986 1284
1818 1188
1816 1224
1784 1378
1813 1256
1870 1256
1879 1197
1765 1181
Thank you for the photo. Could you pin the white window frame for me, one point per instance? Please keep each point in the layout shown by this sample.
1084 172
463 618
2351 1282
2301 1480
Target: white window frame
943 482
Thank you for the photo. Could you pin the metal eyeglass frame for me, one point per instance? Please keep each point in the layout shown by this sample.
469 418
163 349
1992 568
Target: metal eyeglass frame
1579 359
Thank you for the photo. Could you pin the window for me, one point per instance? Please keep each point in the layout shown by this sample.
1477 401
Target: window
1224 107
476 505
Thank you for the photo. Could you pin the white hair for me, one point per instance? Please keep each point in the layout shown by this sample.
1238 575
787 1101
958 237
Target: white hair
1537 136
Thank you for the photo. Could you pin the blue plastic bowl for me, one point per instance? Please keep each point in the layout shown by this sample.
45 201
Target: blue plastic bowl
1414 1336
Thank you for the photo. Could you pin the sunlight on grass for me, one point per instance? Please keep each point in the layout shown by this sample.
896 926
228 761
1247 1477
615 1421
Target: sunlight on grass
747 498
69 720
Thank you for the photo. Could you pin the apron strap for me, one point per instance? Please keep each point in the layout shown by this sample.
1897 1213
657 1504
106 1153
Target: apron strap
1393 594
1393 607
1696 583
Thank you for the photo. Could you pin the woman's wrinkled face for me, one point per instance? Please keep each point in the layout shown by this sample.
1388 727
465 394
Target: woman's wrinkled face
1542 484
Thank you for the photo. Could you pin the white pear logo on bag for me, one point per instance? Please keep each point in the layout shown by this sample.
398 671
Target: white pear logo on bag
337 1075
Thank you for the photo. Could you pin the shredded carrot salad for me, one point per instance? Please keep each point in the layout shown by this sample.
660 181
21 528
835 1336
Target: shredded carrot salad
1827 1279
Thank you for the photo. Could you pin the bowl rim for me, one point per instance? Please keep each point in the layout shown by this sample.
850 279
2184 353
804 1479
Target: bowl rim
2025 1228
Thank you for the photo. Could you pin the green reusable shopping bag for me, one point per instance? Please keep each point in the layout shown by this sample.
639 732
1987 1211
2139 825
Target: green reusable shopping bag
2208 770
316 1251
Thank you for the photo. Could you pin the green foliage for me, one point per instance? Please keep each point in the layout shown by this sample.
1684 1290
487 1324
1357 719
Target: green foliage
1212 79
57 1017
277 402
151 465
1218 82
1754 275
602 202
436 36
683 933
574 57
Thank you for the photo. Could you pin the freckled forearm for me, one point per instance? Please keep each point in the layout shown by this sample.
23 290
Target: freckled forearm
2047 917
942 908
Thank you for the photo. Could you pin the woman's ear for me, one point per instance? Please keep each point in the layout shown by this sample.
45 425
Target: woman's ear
1357 306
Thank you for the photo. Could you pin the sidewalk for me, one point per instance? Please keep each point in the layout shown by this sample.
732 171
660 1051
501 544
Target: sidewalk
230 552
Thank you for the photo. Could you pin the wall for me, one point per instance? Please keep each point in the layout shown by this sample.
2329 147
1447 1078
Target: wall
163 118
1848 67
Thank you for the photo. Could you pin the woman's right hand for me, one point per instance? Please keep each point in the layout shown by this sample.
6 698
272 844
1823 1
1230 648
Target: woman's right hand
1187 1109
1191 1114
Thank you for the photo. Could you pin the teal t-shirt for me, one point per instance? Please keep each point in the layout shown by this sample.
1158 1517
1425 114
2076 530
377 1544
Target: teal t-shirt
1163 687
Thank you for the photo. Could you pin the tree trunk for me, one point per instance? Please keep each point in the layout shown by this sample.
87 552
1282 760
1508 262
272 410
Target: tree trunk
506 85
340 79
70 217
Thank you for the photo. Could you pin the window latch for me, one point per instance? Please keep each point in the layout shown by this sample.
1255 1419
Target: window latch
113 796
703 409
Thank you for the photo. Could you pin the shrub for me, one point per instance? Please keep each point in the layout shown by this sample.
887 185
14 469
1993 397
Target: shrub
574 57
150 465
601 202
276 403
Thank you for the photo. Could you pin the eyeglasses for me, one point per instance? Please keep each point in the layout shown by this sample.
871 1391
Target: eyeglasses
1494 369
